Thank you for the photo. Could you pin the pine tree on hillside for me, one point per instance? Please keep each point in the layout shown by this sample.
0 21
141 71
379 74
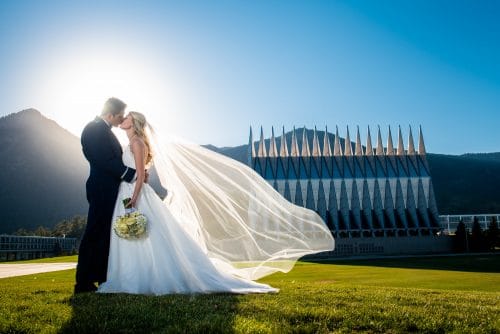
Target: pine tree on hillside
477 237
460 238
493 235
72 228
23 232
42 232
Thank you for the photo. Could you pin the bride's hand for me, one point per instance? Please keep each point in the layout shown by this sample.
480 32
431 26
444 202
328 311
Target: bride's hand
132 203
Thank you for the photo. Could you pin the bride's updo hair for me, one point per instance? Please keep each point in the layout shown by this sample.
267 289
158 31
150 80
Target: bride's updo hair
139 124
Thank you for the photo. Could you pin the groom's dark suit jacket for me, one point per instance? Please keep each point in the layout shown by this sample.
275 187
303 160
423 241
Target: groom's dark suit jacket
104 153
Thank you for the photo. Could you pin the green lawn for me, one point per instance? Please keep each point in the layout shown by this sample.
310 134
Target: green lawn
57 259
433 295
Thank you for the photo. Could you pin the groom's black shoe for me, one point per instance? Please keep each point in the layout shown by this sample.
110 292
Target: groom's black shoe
80 288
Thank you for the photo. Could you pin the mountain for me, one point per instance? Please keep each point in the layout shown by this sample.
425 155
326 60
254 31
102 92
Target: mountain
466 184
43 174
239 153
483 156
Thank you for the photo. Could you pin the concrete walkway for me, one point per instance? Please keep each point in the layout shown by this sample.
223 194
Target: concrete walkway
20 269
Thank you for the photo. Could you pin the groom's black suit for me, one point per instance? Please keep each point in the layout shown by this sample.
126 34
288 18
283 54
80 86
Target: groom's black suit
104 153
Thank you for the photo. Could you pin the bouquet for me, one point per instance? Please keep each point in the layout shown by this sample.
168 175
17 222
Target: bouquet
132 225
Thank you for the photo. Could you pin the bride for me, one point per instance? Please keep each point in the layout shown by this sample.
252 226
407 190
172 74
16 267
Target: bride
220 227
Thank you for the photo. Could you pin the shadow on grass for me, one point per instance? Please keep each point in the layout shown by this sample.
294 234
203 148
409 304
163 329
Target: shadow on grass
96 313
470 263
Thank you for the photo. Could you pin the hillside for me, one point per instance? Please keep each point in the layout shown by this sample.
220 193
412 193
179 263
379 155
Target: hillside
466 184
43 172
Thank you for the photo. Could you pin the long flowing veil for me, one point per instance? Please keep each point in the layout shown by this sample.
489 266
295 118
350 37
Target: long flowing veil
245 226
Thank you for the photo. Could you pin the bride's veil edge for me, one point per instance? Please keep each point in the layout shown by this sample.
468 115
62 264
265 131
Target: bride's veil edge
241 222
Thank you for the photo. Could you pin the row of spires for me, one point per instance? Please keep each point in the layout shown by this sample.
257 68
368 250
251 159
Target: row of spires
338 150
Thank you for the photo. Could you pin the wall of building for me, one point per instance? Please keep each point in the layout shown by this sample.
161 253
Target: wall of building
13 247
345 247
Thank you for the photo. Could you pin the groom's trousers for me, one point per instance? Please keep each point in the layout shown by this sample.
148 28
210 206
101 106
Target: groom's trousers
94 247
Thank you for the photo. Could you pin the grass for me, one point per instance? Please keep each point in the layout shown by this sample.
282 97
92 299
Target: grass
424 295
57 259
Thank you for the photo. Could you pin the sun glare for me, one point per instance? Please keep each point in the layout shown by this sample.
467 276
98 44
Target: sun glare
75 90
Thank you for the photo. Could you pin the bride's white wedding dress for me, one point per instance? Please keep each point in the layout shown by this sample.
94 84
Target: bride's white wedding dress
167 260
221 227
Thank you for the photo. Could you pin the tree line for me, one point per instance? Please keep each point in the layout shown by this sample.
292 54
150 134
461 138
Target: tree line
69 228
477 240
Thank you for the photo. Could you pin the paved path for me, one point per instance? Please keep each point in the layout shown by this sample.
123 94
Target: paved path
19 269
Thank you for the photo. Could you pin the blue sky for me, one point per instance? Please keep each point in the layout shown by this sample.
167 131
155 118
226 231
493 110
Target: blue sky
207 70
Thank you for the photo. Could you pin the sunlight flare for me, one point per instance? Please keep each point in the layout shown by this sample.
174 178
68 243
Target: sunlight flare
76 89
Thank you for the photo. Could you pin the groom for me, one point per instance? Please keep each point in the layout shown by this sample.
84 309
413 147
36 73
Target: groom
104 154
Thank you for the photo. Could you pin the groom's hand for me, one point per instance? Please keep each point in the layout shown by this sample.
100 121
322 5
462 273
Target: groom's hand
146 178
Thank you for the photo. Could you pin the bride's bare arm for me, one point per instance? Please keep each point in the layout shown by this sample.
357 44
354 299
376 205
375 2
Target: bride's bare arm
139 150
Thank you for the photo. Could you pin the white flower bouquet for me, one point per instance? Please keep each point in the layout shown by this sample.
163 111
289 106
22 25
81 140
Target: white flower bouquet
132 225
